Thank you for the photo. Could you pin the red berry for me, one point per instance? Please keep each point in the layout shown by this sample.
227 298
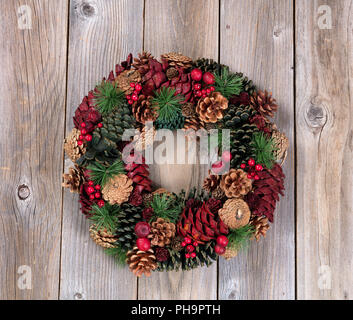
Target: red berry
198 93
90 183
83 131
134 97
193 254
83 125
257 177
208 90
249 176
243 166
128 97
212 88
203 91
138 87
208 78
79 142
204 96
81 137
143 244
97 187
132 84
100 125
130 102
187 256
88 137
258 167
196 74
195 244
97 195
90 189
100 203
197 86
91 196
190 248
187 240
222 241
219 249
226 156
183 244
142 229
251 162
252 173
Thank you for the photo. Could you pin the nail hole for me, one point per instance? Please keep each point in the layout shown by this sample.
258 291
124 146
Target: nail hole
23 192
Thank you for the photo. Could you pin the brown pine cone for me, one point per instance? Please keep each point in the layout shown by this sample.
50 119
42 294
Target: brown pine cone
177 60
147 198
74 179
176 244
172 73
188 110
218 193
162 232
124 79
211 182
210 108
281 144
261 226
235 213
118 189
192 124
71 147
141 262
143 111
263 103
103 238
141 63
230 254
235 183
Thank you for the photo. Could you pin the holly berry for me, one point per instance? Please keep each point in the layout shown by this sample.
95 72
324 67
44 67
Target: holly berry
187 256
80 142
97 187
190 248
138 87
128 97
197 86
193 254
142 229
187 240
195 244
91 196
208 78
81 137
257 177
203 91
251 162
132 84
252 173
83 125
90 183
196 74
90 189
97 195
183 244
143 244
222 241
130 102
208 90
204 95
249 176
243 166
198 93
100 203
134 97
100 125
212 88
219 249
83 131
226 156
88 137
258 167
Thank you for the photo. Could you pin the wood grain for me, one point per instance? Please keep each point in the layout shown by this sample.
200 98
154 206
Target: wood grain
257 38
170 26
324 149
102 33
32 87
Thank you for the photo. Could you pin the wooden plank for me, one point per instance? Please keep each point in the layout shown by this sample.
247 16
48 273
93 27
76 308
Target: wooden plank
102 33
324 89
190 27
257 39
32 87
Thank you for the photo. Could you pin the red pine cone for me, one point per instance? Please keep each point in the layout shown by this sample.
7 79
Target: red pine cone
119 68
154 78
214 205
261 124
135 197
147 214
162 254
262 200
139 173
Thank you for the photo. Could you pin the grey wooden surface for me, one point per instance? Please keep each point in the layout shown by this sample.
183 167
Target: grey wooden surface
71 44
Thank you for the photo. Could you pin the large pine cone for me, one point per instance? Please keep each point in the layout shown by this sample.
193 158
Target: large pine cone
118 189
261 226
281 144
235 213
143 111
141 63
235 183
71 146
138 173
141 262
177 60
236 115
103 238
210 108
74 179
124 79
162 232
264 103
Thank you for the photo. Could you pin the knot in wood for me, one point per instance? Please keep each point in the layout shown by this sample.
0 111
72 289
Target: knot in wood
78 296
316 116
88 9
23 192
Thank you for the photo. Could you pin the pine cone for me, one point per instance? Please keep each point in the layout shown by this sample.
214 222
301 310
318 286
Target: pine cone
208 65
261 226
162 232
141 262
235 183
214 205
281 144
147 198
211 182
248 85
172 73
230 254
210 108
176 243
262 124
141 63
103 238
192 124
177 122
135 197
177 60
117 190
71 146
218 193
74 179
236 115
154 78
144 139
138 173
235 213
188 110
143 111
264 103
124 79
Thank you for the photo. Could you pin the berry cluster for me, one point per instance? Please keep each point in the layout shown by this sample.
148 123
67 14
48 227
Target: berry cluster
204 82
252 169
94 193
220 247
135 95
190 247
84 134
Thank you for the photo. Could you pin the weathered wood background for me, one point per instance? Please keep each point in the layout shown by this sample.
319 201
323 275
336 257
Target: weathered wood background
54 52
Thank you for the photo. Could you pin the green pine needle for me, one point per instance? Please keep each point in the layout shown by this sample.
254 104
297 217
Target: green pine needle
108 97
105 217
239 238
166 207
100 174
264 149
167 104
228 84
118 253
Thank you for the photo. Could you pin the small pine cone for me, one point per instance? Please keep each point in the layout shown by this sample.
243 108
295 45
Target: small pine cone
263 103
230 254
261 226
176 244
188 110
141 262
71 147
162 254
145 139
147 198
124 79
141 63
103 238
118 189
172 73
281 144
177 60
74 179
235 183
218 193
143 111
162 232
235 213
211 182
210 108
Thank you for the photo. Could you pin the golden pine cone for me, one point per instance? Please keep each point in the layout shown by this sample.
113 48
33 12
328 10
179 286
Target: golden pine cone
235 213
103 238
230 254
218 193
172 73
118 189
143 111
73 179
188 110
210 108
261 226
281 144
236 183
145 139
141 262
211 182
141 63
162 232
264 103
175 59
71 147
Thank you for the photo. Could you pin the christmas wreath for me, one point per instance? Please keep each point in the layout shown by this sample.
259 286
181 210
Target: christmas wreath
151 229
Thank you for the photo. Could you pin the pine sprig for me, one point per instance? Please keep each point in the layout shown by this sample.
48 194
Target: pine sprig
166 207
118 253
100 174
264 149
108 97
105 217
167 103
228 84
239 238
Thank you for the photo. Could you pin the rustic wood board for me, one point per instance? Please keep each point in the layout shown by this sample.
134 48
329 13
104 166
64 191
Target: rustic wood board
179 20
257 39
32 86
324 113
102 33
